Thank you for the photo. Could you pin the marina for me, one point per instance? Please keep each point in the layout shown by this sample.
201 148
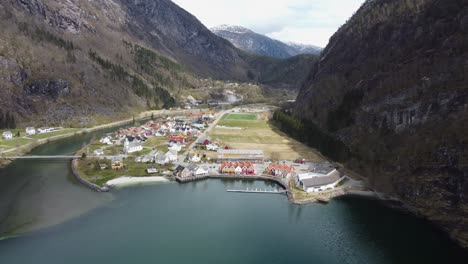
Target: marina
260 191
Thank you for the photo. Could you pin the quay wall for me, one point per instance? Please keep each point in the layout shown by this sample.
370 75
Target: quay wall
233 177
86 183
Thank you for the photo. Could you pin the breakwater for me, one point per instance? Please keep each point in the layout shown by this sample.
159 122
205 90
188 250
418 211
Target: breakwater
86 183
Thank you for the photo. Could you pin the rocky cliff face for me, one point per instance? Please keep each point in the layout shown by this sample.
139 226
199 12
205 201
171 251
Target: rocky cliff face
109 57
171 29
392 85
249 41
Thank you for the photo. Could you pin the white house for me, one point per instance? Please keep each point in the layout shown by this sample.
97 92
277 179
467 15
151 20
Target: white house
44 130
106 140
238 170
200 171
131 147
160 133
199 126
194 170
171 156
194 158
319 177
212 147
160 158
7 135
99 152
319 184
208 116
30 131
175 147
151 170
146 158
317 170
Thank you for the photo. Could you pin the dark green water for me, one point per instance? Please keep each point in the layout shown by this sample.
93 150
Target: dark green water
199 223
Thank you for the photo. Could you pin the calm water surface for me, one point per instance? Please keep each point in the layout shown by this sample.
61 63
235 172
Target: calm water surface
198 223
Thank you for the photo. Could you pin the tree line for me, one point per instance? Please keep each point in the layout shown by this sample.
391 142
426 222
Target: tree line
7 120
39 35
141 89
310 134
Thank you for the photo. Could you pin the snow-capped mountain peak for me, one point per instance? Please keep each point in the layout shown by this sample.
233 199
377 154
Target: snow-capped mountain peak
247 40
233 29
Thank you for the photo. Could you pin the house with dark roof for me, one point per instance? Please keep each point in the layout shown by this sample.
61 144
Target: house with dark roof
192 170
179 170
317 170
319 177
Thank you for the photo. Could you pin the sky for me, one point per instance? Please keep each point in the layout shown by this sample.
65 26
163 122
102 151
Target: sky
302 21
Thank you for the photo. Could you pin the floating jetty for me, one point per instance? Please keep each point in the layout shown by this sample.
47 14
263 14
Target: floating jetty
262 191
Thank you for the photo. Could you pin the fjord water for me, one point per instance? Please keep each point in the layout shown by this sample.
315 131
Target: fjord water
40 193
200 223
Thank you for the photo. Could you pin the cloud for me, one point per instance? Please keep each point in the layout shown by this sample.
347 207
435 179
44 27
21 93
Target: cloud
306 21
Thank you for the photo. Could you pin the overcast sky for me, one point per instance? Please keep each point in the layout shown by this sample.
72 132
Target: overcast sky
303 21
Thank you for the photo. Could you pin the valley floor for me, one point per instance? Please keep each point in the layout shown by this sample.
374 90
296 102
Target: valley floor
21 145
241 128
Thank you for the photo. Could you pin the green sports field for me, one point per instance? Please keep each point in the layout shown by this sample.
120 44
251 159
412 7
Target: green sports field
240 117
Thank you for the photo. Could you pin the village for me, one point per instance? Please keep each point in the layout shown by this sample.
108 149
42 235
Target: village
12 140
29 131
194 146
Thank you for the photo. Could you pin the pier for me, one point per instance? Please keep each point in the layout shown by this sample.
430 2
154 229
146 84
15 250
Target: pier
261 191
277 180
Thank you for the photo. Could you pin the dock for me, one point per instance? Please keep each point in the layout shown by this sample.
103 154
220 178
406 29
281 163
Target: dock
261 191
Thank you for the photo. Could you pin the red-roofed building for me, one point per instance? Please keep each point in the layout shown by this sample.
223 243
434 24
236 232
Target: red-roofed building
177 139
239 168
279 170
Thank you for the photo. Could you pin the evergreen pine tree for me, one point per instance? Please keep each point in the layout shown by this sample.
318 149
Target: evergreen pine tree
13 122
2 120
6 121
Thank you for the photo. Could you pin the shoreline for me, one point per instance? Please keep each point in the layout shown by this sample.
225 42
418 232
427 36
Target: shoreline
325 197
129 180
123 181
26 148
85 182
388 201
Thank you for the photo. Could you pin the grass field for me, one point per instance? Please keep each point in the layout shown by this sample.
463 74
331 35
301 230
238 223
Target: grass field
56 133
20 141
240 117
13 143
258 134
89 170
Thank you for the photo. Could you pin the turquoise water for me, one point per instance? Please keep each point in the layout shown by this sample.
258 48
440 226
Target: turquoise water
197 223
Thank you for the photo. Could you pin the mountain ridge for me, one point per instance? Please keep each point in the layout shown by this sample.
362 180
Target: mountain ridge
111 57
252 42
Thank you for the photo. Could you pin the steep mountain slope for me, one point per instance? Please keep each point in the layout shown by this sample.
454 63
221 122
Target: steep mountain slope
62 62
392 85
287 73
174 31
249 41
75 62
